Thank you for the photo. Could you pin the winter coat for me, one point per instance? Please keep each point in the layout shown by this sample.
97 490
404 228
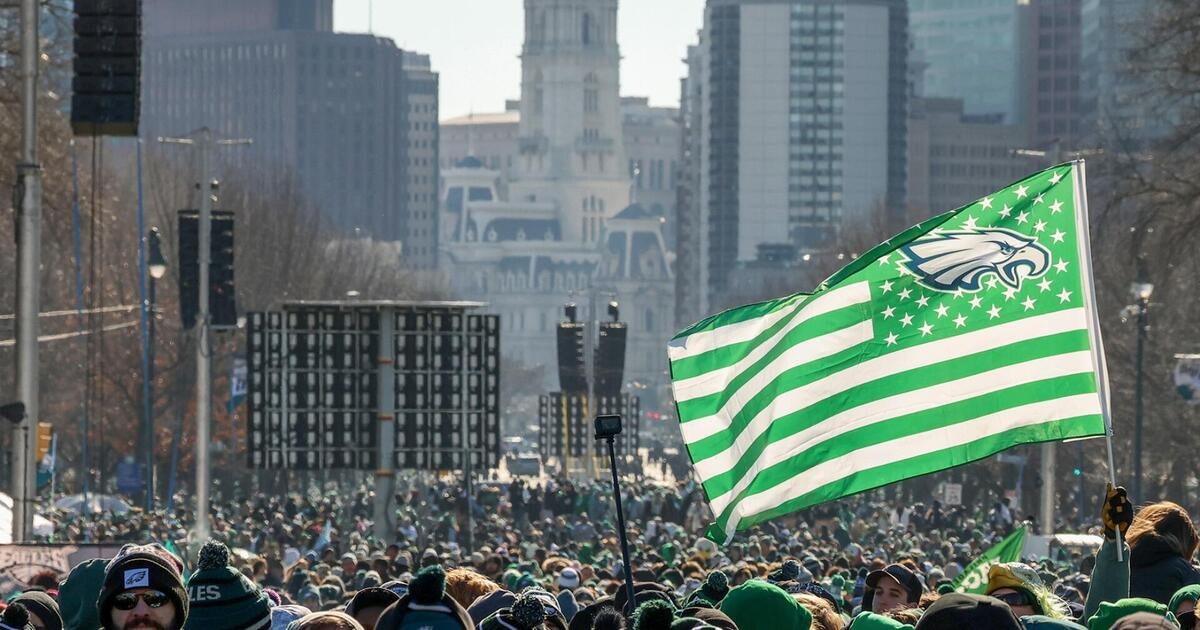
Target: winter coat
1157 570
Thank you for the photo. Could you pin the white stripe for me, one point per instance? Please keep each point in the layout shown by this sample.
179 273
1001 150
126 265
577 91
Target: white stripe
900 449
804 352
709 340
884 410
867 371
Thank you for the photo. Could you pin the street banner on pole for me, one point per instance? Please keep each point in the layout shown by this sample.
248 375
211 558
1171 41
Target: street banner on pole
974 578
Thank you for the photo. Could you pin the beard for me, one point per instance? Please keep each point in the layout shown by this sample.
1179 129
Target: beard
144 621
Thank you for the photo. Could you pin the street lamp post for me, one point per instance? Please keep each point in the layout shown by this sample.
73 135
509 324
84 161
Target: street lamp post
1141 291
156 267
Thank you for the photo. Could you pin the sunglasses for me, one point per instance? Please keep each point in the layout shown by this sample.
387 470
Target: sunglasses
129 601
1014 599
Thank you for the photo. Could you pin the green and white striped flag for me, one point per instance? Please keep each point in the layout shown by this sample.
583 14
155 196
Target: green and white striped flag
965 335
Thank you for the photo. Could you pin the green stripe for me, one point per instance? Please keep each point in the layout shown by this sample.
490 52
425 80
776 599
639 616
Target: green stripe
883 387
727 356
868 479
898 427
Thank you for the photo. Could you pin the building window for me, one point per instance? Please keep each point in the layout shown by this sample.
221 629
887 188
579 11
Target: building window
591 95
589 26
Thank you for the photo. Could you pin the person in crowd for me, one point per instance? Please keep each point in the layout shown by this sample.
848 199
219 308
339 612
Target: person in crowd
894 587
142 588
1162 543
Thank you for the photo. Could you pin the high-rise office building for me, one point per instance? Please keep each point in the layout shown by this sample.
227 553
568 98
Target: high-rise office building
803 106
351 119
1114 101
971 51
1050 72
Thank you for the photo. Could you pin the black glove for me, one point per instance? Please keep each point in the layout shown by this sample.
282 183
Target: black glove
1117 512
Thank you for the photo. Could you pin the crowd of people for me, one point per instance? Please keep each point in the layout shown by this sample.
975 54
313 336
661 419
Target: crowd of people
547 555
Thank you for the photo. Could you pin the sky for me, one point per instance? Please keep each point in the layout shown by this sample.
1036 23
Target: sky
474 45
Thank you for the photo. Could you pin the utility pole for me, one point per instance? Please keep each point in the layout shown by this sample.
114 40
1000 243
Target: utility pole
203 141
28 202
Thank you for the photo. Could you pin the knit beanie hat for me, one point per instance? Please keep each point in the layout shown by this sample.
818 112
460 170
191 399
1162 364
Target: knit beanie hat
485 605
1189 593
372 597
137 567
872 621
426 605
714 589
653 615
1146 621
43 606
1110 612
760 605
221 597
15 617
789 572
283 615
77 594
526 613
709 616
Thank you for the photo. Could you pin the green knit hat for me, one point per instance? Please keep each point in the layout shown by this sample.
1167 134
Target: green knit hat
221 597
1111 612
760 605
1189 593
872 621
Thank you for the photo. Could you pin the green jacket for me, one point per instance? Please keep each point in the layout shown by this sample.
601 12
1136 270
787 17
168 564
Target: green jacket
1110 579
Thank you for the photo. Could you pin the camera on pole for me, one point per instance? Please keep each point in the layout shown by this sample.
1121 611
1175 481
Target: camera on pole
608 427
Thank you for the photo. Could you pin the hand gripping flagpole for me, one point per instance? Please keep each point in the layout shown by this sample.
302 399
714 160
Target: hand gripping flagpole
1081 221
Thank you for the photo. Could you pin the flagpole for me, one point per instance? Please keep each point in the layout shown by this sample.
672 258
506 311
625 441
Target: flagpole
1085 246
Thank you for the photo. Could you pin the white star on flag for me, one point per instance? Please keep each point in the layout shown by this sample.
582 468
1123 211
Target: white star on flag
986 202
1010 293
1064 296
923 301
1028 303
1007 210
891 339
1060 266
975 302
905 293
926 329
1056 177
886 286
942 309
889 312
1056 207
994 312
970 223
1023 218
1057 236
1040 226
906 320
960 321
1039 199
1022 191
1044 285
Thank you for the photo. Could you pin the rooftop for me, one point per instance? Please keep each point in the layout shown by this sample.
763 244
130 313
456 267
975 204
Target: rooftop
491 118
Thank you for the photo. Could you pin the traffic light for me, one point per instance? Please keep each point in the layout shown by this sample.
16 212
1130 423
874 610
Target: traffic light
106 87
45 438
222 307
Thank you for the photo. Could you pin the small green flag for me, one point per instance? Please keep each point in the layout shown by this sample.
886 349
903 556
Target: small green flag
974 578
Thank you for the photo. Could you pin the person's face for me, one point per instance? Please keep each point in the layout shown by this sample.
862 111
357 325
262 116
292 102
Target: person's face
889 595
143 608
1016 600
368 617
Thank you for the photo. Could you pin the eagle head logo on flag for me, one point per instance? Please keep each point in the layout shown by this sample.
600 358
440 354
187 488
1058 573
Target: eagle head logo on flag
955 260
